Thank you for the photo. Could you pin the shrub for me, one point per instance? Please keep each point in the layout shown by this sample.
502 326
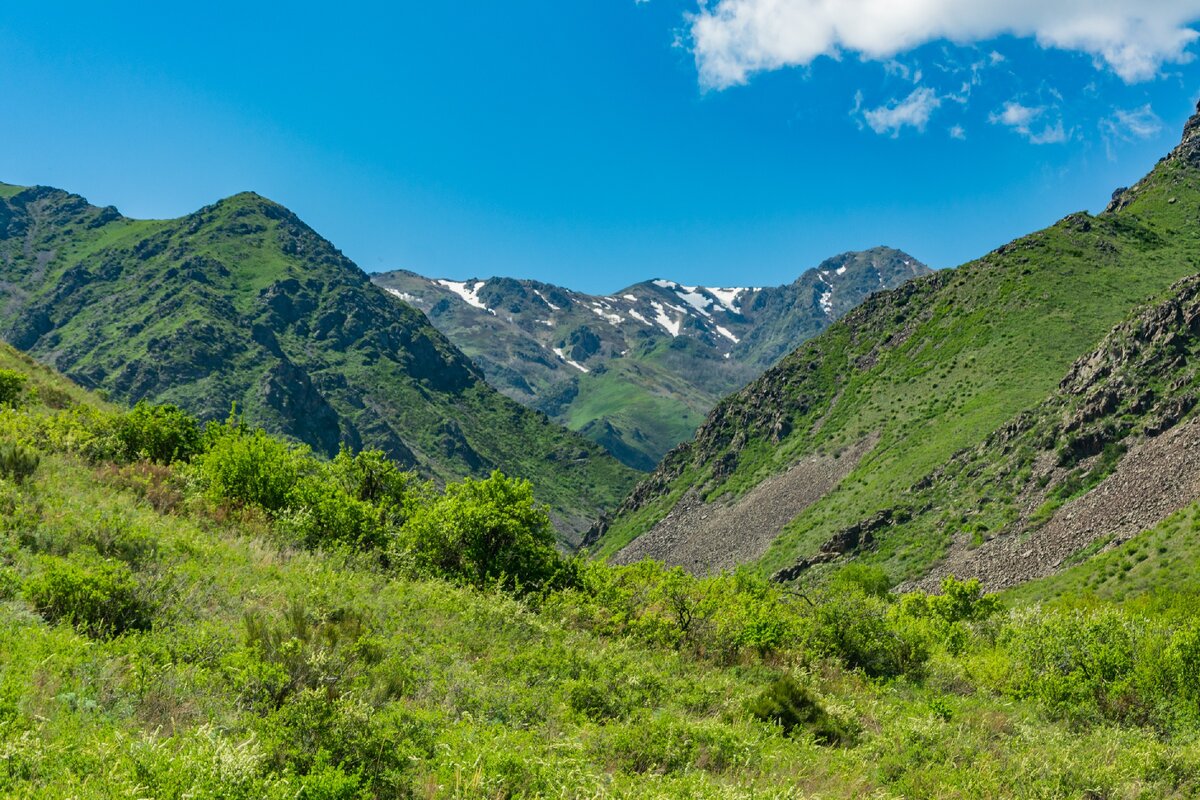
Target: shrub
16 462
162 434
323 513
251 468
370 476
483 533
12 384
789 705
101 599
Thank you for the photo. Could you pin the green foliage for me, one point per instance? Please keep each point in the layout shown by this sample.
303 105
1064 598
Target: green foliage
790 706
100 598
484 533
17 462
251 468
162 434
12 384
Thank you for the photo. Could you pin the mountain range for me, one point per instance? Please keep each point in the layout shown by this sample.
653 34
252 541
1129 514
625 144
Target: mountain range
1002 420
242 304
636 371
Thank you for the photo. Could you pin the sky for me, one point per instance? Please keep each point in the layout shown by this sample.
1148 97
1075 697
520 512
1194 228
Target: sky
597 143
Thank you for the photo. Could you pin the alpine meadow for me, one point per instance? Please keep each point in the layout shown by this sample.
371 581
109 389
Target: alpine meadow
624 458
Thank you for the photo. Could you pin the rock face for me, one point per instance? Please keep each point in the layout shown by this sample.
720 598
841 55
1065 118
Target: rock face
241 302
636 371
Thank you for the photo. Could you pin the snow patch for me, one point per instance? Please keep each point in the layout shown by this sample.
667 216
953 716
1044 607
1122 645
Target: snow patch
728 298
727 334
660 316
558 352
826 301
547 302
612 319
546 322
633 313
630 298
841 270
405 296
696 300
660 283
468 291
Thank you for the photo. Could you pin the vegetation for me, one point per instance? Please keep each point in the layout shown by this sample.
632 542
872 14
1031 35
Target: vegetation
241 302
193 627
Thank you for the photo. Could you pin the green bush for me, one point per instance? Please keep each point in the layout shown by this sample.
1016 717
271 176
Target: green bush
322 513
370 476
101 599
789 705
16 462
483 533
12 384
251 468
162 434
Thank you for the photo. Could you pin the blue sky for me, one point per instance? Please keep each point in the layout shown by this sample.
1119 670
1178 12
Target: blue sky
595 143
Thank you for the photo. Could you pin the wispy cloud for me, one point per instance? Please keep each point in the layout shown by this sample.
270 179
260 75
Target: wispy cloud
733 39
913 111
1129 125
1029 121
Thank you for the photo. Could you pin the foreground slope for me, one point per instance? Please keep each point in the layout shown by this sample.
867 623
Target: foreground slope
161 641
243 303
636 371
904 383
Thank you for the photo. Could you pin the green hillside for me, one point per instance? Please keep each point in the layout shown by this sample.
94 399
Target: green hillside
933 369
169 630
242 303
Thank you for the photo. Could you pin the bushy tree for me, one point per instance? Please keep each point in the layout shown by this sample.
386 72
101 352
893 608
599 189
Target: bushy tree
162 434
251 467
485 532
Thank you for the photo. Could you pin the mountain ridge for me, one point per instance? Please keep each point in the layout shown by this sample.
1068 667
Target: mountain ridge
637 369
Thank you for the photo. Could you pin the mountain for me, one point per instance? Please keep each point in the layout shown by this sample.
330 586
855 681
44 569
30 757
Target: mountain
976 421
636 371
243 303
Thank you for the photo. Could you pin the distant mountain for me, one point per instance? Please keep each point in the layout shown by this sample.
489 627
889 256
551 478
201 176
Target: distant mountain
1002 420
636 371
243 303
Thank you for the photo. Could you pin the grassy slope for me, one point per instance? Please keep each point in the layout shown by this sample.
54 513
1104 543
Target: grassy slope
465 694
218 306
972 348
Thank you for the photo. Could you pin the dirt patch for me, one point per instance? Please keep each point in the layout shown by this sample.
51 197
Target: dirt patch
1157 477
704 538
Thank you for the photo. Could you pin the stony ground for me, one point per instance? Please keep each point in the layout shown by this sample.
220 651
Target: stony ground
707 537
1157 477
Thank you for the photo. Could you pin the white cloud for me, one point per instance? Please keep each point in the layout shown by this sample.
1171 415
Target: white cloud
732 39
913 111
1132 124
958 132
1017 116
1022 119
